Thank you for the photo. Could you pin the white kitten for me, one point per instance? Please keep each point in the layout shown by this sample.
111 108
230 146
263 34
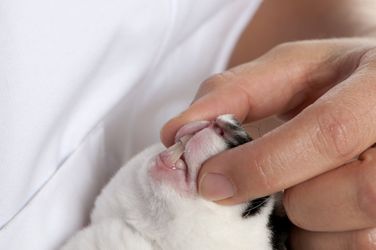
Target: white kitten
152 202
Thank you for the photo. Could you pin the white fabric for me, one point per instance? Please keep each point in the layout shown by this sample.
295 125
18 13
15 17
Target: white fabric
85 84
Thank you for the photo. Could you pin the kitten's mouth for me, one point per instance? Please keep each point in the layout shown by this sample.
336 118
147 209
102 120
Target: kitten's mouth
194 144
173 157
179 162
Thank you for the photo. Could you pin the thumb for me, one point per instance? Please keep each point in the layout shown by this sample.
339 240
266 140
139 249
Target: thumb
325 135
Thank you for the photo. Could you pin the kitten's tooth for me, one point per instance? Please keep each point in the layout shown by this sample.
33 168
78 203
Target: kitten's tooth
172 154
185 139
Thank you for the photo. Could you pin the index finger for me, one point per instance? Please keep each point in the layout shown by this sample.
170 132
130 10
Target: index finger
275 83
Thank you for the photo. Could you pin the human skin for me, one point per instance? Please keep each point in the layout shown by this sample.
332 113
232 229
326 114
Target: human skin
325 89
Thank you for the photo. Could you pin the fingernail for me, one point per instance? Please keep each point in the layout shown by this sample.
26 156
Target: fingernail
216 187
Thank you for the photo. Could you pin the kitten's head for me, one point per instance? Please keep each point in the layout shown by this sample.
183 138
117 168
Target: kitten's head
156 194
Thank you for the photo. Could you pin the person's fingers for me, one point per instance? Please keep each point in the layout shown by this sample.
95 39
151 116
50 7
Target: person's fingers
337 127
341 200
349 240
261 127
208 108
287 76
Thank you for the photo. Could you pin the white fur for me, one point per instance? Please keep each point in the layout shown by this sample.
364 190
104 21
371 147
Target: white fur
136 212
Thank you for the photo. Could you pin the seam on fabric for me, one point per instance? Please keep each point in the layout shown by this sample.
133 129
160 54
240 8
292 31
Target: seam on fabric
167 37
143 80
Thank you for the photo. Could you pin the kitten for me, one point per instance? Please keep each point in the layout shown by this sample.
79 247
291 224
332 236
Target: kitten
152 202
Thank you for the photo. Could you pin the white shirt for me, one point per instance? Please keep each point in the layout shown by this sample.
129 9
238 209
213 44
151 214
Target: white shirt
84 85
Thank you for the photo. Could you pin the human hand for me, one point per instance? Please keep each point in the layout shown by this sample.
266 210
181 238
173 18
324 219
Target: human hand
326 89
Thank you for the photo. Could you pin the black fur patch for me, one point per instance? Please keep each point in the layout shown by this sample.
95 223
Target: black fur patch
235 134
254 206
238 139
234 126
280 226
278 223
240 136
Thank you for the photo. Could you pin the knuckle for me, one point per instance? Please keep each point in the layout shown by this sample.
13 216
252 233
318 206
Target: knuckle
270 169
265 174
279 52
338 131
286 46
264 177
217 81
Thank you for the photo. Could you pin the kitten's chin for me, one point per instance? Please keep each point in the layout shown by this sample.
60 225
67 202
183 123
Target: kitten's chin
179 165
